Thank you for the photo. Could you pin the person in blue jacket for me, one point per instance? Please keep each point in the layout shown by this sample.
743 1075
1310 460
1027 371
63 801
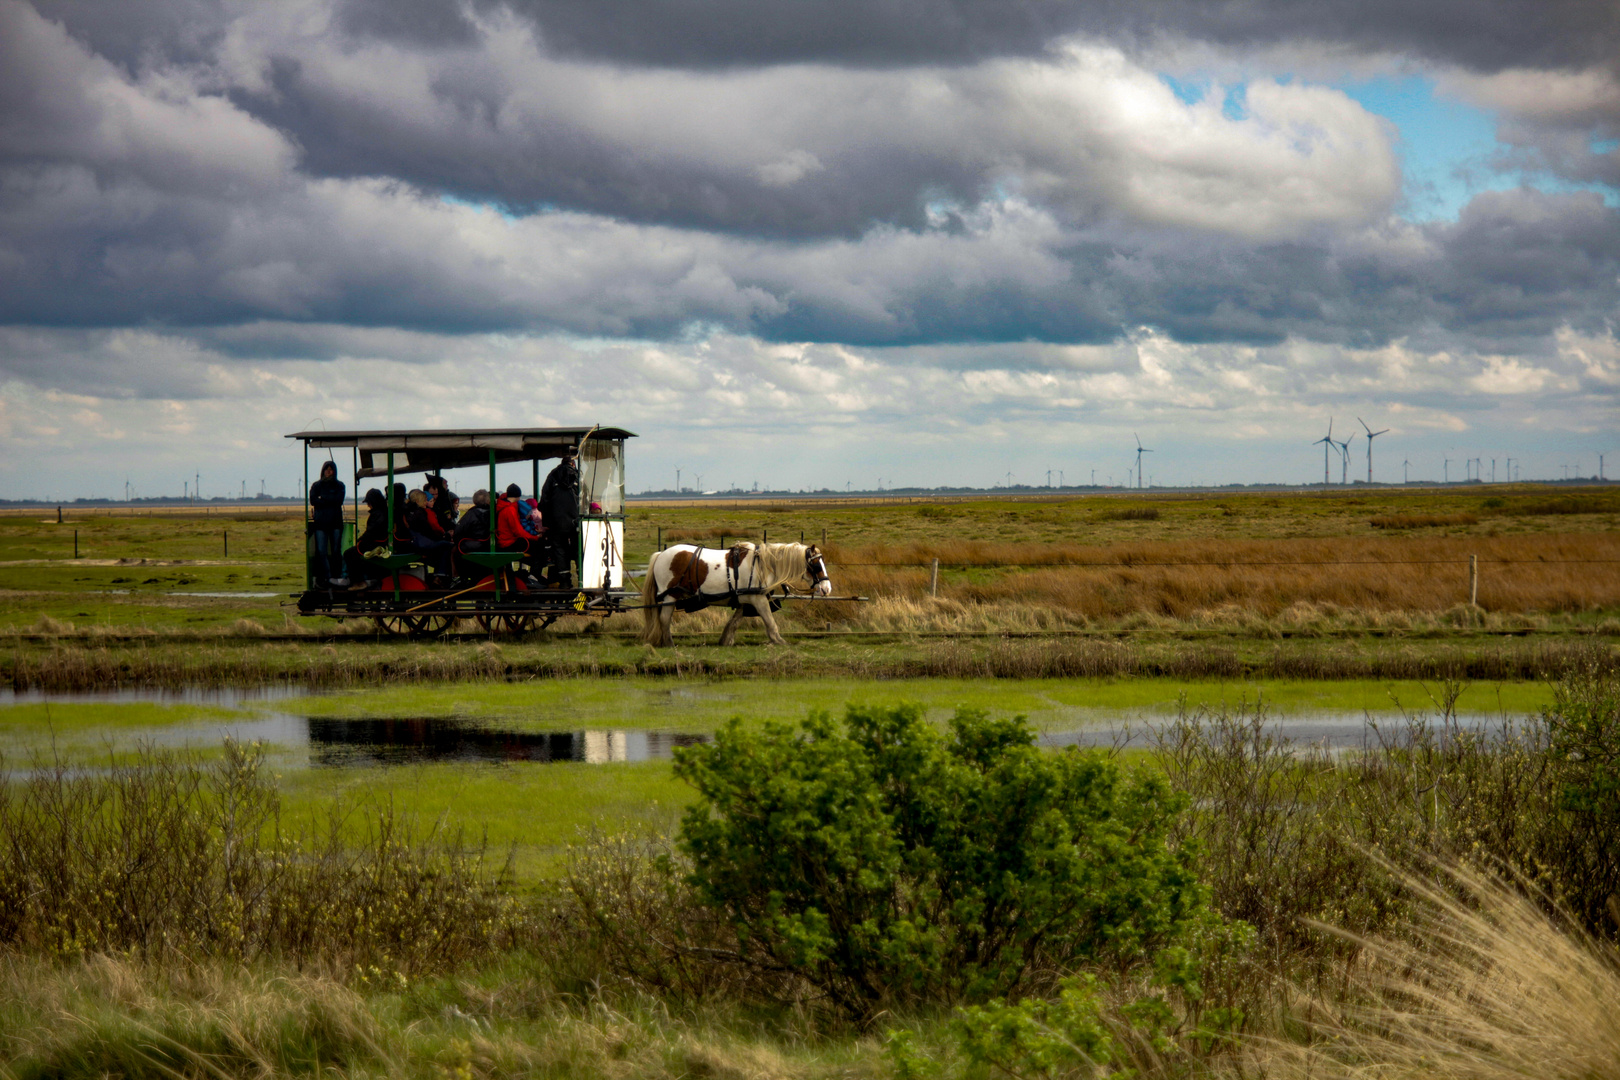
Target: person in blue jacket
326 525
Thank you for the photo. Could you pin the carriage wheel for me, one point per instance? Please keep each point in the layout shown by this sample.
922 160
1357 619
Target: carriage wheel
505 624
415 625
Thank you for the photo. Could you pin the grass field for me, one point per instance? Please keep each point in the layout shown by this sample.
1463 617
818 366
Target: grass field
1070 611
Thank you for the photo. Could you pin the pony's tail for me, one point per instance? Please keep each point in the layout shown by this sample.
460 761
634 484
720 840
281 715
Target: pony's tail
649 606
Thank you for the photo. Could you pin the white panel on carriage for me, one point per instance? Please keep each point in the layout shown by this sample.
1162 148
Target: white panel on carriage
601 473
601 564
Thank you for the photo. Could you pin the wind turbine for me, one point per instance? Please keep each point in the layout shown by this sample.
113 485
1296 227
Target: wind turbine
1406 471
1140 450
1371 435
1344 464
1326 441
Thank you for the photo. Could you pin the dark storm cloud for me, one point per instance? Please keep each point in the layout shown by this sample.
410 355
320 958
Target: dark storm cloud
1483 35
310 194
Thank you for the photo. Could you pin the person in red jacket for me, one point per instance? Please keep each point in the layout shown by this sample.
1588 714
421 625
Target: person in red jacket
510 535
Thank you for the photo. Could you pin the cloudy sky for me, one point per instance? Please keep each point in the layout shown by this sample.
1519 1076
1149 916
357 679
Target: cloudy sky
811 244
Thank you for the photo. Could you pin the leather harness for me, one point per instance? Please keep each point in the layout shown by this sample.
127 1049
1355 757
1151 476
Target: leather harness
686 588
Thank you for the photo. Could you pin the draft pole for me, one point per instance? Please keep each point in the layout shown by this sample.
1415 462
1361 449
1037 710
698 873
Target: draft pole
355 453
309 582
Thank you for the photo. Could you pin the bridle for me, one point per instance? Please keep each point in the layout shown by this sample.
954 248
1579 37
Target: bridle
815 566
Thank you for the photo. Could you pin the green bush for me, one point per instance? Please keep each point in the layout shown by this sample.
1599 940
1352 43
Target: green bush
1583 742
889 863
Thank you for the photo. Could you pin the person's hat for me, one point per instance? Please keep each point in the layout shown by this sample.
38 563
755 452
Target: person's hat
513 491
596 508
375 496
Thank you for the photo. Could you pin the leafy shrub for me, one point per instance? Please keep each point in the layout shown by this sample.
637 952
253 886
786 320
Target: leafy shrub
1286 829
1583 742
887 863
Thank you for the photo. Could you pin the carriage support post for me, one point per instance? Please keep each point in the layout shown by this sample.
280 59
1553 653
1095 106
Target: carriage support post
392 539
495 572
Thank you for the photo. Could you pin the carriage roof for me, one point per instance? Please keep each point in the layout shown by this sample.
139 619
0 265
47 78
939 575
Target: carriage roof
452 448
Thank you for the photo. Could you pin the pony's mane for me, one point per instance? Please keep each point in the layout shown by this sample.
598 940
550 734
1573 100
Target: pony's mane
778 563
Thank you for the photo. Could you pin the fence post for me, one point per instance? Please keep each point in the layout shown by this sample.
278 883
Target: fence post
1473 581
660 538
226 535
75 543
933 583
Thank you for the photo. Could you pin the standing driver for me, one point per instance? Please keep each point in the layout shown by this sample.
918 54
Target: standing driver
559 507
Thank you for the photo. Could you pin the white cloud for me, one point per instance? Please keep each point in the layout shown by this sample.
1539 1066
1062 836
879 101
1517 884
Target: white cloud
801 415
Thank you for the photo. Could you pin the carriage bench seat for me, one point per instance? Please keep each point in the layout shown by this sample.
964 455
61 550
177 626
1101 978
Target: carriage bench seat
494 560
394 562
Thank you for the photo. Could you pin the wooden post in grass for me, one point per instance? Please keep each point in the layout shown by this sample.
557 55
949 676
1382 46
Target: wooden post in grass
1473 581
933 582
225 534
75 543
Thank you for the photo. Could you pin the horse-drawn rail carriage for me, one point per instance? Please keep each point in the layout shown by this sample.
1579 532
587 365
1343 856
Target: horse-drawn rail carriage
487 590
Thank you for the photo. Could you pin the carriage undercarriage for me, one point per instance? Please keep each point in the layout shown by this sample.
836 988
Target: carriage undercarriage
432 612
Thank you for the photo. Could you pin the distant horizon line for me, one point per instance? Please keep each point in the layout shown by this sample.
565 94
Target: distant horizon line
741 494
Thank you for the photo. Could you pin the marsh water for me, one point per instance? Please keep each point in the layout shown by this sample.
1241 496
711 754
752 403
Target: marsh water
560 724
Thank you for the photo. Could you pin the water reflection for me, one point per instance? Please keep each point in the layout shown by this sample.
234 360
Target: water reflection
409 740
1330 731
228 696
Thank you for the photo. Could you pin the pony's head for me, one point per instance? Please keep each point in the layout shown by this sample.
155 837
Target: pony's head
782 563
815 568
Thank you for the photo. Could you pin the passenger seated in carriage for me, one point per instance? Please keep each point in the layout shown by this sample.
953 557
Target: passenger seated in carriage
428 536
442 502
363 573
511 534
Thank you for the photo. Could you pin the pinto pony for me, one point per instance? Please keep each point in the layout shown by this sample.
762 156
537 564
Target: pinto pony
692 577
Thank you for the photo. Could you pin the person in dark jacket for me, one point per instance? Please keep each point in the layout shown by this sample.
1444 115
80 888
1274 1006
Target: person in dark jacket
472 534
403 544
559 507
326 497
363 573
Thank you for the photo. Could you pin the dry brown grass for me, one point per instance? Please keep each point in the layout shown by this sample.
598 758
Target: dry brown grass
1483 986
1188 579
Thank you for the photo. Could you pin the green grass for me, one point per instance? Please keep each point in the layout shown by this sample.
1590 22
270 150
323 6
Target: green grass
535 811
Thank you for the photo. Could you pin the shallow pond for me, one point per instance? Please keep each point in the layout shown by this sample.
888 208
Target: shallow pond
644 720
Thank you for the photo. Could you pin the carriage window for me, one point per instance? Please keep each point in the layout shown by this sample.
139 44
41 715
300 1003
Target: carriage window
601 474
